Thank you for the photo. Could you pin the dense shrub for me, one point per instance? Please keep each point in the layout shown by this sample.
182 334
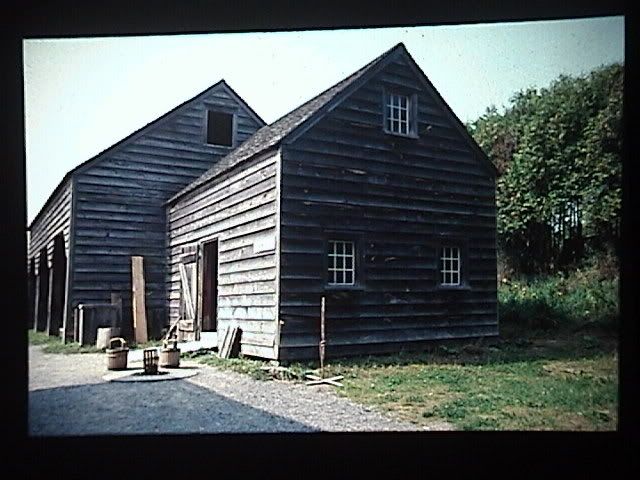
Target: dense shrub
585 297
558 153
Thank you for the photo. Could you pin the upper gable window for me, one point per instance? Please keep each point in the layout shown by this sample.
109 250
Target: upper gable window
399 114
219 128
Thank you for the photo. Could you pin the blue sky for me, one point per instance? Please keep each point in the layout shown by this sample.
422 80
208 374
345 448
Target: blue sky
83 95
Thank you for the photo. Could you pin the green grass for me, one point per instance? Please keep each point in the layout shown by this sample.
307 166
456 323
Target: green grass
243 365
535 394
534 381
559 382
53 344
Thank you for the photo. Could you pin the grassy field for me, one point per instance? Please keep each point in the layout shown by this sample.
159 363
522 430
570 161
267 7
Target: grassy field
544 385
537 381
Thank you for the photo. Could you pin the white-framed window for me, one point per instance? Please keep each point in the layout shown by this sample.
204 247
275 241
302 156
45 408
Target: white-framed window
398 114
342 255
450 266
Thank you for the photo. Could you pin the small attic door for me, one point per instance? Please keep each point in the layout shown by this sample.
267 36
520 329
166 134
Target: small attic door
220 128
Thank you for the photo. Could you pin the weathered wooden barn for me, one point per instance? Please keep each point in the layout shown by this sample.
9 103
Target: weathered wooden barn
373 195
111 207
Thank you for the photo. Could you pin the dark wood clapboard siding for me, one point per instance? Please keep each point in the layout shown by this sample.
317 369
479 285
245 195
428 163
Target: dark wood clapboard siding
56 219
238 210
120 200
399 198
385 343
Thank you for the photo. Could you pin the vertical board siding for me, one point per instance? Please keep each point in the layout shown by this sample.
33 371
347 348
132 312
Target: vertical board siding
240 211
398 198
55 219
120 199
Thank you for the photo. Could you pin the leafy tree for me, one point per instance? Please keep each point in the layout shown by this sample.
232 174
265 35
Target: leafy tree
558 155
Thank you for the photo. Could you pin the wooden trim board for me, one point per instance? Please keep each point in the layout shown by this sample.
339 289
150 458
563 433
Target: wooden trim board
139 311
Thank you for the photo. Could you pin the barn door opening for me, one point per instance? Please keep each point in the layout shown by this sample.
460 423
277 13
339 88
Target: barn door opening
42 308
59 266
210 286
32 292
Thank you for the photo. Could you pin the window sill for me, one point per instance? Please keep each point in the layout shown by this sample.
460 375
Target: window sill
413 136
343 288
464 286
218 145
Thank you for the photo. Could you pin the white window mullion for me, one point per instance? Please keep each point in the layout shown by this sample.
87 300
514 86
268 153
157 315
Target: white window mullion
450 266
398 109
341 262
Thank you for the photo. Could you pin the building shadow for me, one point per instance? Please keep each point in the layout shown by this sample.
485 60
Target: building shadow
175 407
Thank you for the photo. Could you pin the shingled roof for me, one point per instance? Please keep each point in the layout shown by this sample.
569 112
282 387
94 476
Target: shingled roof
273 134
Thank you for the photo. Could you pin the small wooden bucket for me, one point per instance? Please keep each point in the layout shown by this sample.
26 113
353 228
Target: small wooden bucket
170 354
117 356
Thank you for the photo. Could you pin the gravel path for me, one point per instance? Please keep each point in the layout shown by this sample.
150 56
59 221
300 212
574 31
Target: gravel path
67 396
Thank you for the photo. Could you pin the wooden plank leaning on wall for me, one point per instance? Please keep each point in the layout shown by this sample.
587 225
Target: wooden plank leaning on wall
139 311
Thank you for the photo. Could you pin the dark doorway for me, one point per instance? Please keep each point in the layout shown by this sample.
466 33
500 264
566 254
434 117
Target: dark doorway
43 292
32 292
59 266
210 286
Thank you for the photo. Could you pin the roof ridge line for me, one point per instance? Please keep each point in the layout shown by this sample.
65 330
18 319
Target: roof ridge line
120 142
379 57
275 138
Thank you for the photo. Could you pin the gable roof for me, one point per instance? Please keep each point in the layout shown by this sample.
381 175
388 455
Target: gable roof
137 133
289 126
271 135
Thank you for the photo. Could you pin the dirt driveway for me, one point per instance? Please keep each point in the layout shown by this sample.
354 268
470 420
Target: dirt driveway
67 396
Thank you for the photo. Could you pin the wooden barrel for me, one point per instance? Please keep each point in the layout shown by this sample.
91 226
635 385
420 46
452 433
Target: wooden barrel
117 356
170 358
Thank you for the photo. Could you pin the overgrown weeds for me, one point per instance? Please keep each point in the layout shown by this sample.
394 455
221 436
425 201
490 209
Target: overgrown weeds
578 300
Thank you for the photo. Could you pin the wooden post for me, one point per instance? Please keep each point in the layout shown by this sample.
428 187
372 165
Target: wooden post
48 329
139 312
319 380
36 303
322 340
